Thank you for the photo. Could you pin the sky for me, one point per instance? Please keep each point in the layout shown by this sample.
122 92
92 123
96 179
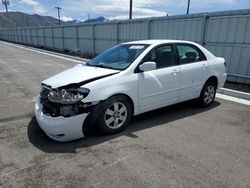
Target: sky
118 9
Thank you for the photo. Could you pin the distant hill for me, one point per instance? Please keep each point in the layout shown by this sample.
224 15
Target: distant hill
98 19
19 19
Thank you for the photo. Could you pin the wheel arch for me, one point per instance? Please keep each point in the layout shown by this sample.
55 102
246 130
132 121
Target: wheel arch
128 98
95 113
213 79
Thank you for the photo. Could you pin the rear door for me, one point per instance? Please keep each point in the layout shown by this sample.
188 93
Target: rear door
193 70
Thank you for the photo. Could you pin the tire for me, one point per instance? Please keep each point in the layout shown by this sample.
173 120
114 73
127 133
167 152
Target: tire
207 94
115 116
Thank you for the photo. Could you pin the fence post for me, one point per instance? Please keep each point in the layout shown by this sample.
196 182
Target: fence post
31 37
204 27
21 35
10 35
77 38
37 41
93 38
10 38
44 38
52 33
26 40
63 45
117 32
149 28
16 37
13 35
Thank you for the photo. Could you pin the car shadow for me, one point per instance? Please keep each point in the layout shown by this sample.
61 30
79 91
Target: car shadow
147 120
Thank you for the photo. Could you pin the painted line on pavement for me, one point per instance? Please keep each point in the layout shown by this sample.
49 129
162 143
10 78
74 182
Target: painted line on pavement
233 99
45 53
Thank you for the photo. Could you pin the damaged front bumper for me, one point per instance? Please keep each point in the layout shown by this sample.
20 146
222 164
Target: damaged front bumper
60 128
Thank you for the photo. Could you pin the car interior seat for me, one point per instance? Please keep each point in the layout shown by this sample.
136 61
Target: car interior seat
189 57
165 59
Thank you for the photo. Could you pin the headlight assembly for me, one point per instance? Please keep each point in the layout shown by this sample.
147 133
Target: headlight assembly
69 96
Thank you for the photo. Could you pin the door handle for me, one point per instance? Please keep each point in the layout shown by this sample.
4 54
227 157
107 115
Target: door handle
204 66
175 71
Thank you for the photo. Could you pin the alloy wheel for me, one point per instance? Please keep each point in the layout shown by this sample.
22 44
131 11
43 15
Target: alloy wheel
116 115
209 94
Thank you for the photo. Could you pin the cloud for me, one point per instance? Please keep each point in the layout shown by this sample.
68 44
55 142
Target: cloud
38 8
115 9
205 3
119 9
66 19
138 12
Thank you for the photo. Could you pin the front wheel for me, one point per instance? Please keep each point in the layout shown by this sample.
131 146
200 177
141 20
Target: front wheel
115 116
207 94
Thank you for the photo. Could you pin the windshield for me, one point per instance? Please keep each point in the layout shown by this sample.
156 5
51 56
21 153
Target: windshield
118 57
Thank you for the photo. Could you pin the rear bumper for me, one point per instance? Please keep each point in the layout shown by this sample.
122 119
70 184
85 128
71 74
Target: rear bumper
60 128
222 80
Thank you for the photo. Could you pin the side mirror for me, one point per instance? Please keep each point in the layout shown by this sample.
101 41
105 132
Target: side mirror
147 66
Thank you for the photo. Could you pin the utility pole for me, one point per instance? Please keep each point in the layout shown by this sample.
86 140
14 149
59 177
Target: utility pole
188 6
130 9
58 13
6 3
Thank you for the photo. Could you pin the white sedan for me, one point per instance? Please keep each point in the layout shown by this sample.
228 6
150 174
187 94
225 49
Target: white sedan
124 81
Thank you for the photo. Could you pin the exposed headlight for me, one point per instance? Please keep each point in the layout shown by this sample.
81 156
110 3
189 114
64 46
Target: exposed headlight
69 96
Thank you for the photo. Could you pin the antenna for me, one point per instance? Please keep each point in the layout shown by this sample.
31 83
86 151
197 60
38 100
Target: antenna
58 12
6 3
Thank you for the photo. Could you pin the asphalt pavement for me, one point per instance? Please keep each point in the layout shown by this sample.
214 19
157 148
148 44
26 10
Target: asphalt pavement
177 146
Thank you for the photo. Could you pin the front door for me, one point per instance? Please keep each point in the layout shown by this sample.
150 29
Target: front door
159 87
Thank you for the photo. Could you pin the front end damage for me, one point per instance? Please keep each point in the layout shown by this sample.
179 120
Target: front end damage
62 115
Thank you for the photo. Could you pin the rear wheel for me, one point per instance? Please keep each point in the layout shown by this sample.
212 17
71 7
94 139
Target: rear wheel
207 94
115 116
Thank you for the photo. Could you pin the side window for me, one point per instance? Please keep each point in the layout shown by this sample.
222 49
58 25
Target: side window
189 54
163 56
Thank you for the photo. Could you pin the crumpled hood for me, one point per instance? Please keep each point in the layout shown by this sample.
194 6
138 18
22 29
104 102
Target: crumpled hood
79 74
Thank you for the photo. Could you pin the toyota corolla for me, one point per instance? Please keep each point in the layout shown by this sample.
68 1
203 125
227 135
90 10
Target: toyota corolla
124 81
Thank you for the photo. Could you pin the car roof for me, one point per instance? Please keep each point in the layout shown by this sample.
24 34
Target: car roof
158 41
155 42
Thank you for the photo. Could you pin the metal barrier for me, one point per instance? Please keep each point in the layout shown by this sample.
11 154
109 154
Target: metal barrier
225 34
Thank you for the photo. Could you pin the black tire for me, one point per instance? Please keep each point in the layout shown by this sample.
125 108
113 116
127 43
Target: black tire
117 120
207 94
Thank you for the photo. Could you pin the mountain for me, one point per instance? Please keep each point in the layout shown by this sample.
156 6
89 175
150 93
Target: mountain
20 19
98 19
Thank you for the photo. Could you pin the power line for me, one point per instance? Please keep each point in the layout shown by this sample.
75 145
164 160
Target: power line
58 13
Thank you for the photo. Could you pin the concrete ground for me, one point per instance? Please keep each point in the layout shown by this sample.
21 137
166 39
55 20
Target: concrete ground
177 146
